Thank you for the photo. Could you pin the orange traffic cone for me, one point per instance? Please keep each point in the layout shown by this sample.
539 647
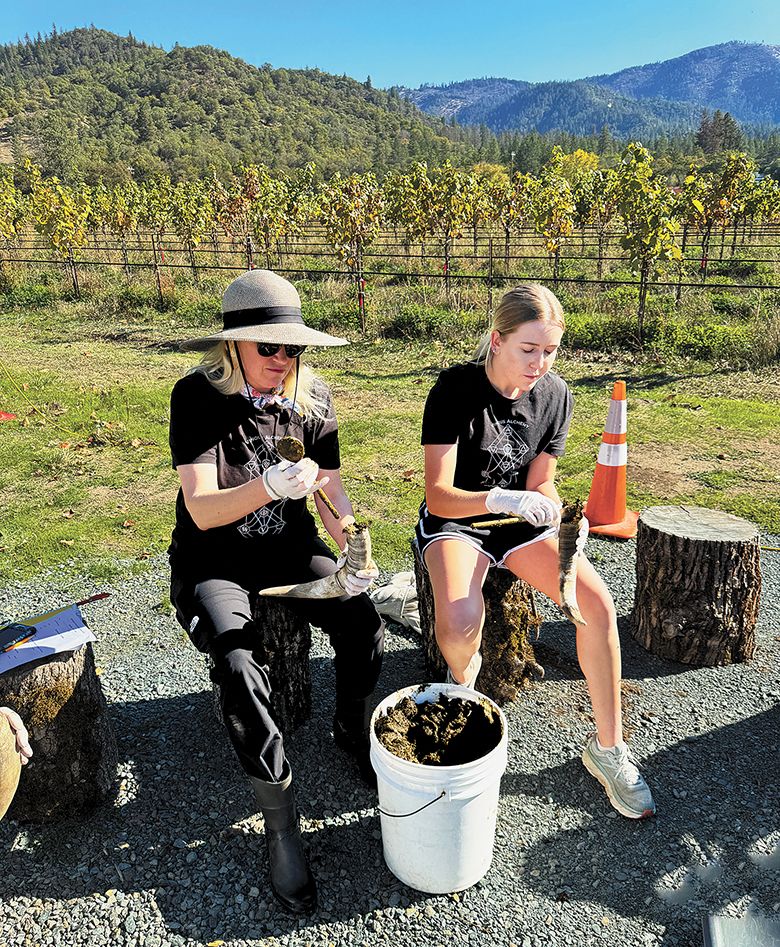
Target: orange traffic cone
606 506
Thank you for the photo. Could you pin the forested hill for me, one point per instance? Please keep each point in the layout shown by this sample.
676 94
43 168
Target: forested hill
740 78
88 103
664 97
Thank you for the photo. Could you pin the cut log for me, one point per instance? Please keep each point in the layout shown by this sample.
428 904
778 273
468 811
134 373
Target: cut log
10 765
61 702
284 642
510 620
698 585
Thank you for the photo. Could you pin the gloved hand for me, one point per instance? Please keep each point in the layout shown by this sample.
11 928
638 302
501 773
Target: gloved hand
357 583
534 507
292 481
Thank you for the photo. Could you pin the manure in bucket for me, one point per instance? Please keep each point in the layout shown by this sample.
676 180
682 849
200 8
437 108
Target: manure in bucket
447 732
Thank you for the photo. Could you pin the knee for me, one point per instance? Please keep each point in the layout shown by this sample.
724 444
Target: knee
599 610
458 621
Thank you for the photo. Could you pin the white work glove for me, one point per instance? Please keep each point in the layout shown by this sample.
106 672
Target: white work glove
292 481
534 507
357 583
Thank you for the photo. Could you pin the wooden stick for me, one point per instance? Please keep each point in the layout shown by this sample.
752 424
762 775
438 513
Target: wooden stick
506 521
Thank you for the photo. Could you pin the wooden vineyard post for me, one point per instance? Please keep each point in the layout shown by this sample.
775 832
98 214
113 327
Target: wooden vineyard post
61 702
157 272
73 274
698 585
284 642
510 620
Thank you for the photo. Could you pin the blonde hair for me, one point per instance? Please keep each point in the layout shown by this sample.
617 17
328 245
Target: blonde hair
529 302
220 365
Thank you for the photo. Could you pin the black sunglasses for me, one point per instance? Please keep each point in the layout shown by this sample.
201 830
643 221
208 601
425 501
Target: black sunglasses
267 349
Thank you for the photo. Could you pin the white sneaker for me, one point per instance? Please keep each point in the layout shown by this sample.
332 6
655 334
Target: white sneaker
472 671
617 773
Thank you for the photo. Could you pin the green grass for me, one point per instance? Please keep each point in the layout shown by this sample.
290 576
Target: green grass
85 476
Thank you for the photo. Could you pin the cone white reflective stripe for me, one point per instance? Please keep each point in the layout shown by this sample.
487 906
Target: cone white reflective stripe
613 455
617 422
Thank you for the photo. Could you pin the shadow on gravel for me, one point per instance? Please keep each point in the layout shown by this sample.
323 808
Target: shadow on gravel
556 649
717 796
186 830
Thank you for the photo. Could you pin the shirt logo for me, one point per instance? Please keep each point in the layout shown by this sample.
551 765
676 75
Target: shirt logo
506 452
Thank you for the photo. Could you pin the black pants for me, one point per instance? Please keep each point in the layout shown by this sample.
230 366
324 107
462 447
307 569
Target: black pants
222 605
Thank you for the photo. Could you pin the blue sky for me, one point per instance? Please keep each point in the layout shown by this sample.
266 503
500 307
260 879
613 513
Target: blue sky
421 41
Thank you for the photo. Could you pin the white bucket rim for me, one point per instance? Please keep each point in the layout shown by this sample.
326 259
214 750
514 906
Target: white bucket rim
428 693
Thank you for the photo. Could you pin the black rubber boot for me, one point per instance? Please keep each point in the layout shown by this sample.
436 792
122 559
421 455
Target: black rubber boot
291 879
350 731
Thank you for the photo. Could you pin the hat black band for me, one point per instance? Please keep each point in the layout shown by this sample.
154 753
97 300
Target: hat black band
270 315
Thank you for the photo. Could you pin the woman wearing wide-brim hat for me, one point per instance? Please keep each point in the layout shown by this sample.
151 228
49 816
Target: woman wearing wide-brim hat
242 524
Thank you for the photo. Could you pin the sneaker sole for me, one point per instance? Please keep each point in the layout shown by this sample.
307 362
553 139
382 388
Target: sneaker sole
616 803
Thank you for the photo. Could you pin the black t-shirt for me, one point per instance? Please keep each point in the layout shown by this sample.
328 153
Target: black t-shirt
208 427
497 437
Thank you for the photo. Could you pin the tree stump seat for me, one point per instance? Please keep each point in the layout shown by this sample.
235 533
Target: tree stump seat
284 642
698 585
510 619
62 705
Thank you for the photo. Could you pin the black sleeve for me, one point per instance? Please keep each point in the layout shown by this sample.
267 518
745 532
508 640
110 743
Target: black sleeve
554 441
442 418
322 434
190 414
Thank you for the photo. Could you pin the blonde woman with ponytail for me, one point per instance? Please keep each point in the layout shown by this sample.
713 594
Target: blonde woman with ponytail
493 430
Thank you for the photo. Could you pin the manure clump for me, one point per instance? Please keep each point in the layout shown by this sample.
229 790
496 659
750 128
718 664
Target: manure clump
446 732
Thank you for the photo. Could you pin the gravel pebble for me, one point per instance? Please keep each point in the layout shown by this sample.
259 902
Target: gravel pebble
177 858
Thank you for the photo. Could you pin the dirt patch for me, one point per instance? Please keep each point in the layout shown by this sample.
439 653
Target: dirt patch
663 470
446 732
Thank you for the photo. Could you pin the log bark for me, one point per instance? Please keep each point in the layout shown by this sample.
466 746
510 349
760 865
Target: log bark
698 585
284 641
510 622
62 704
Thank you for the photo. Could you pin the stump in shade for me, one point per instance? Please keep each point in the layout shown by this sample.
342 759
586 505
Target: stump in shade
62 704
510 618
284 641
698 584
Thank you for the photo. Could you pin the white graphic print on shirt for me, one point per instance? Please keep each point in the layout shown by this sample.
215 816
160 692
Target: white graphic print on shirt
506 455
267 519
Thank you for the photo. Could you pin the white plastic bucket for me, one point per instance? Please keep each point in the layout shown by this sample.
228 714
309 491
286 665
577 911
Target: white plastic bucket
447 845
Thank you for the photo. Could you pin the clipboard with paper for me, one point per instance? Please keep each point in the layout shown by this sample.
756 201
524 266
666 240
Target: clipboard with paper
55 632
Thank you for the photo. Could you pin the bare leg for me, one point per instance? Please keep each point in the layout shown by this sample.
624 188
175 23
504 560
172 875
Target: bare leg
598 645
457 572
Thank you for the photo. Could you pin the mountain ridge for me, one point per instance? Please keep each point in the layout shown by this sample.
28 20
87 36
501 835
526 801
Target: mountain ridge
739 77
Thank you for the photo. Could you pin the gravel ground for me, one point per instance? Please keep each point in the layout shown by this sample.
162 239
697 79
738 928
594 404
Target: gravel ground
177 858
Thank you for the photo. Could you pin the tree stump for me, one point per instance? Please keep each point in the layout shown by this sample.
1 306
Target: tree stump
62 704
698 584
510 618
284 642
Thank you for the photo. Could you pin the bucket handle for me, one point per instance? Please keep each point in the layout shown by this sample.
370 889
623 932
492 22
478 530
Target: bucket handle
405 815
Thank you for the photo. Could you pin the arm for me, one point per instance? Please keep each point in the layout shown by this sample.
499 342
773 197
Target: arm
443 498
209 506
541 476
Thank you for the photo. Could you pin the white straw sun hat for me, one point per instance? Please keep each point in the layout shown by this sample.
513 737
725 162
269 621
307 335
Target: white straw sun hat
261 306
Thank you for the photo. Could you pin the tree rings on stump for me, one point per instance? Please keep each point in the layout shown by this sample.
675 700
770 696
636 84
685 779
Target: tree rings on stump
510 620
698 585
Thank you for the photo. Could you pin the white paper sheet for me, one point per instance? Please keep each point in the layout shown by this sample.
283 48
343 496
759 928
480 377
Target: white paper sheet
55 632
